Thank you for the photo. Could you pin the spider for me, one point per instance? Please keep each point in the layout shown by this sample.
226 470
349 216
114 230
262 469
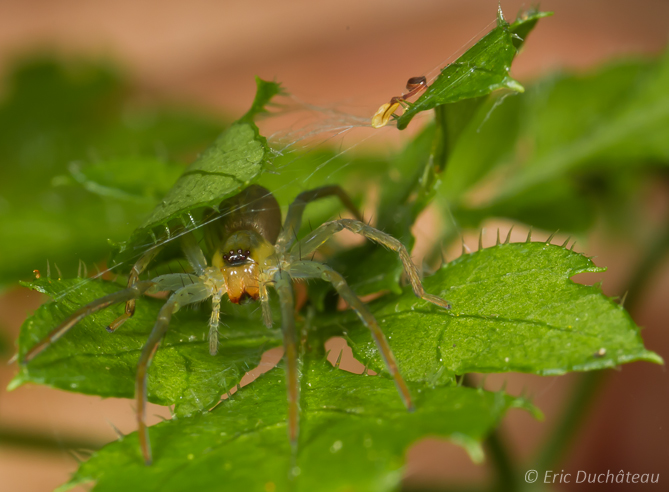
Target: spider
251 251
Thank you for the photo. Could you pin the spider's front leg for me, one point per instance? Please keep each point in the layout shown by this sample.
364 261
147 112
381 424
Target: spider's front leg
193 254
319 236
133 278
294 217
186 295
312 269
133 292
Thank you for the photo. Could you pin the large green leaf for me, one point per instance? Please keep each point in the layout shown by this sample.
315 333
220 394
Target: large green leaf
514 309
353 436
481 70
89 360
232 162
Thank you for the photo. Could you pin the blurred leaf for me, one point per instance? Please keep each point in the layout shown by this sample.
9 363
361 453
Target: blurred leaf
350 423
514 309
481 70
57 116
135 179
90 360
558 205
555 156
616 116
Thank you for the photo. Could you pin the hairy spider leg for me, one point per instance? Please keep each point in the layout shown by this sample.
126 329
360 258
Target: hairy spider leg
133 278
134 291
214 320
312 269
293 220
284 288
319 236
186 295
193 254
263 295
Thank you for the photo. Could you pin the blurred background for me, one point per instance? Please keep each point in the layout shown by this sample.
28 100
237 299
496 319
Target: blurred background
202 55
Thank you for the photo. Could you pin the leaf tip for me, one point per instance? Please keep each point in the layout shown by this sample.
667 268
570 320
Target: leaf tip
501 21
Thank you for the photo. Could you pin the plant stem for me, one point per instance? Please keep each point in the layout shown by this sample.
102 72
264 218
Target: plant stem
501 461
574 414
655 253
19 438
500 457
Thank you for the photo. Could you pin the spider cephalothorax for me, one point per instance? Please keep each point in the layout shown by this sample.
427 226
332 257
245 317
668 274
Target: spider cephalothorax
250 251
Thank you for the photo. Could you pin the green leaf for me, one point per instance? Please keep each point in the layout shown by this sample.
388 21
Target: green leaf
89 360
481 70
134 179
514 309
232 162
350 423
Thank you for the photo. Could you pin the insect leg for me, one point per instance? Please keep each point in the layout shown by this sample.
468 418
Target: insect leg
189 294
136 271
314 240
312 269
134 291
284 287
296 210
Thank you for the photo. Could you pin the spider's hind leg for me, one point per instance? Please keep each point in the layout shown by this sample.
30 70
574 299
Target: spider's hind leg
312 269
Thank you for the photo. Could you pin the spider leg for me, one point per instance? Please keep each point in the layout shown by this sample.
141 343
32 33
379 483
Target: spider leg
194 256
214 320
133 278
186 295
294 217
314 240
193 253
312 269
134 291
284 288
264 304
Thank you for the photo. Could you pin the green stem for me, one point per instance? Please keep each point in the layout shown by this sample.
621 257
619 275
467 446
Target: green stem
645 270
24 439
500 457
501 461
575 412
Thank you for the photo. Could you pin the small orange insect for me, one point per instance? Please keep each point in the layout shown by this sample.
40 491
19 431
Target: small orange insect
382 116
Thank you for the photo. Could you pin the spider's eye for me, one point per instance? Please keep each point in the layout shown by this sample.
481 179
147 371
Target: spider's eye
225 257
232 253
239 251
248 253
